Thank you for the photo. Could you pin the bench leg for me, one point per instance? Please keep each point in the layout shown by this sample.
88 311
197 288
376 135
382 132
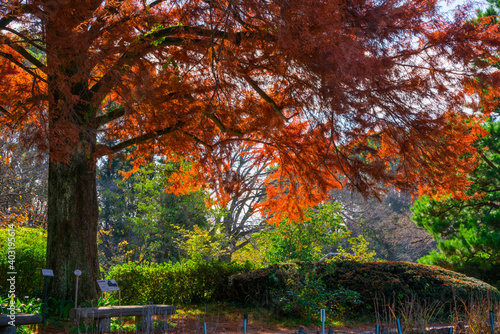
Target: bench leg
143 323
8 330
104 325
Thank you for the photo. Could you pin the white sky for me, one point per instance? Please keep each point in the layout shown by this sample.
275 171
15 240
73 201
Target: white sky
450 4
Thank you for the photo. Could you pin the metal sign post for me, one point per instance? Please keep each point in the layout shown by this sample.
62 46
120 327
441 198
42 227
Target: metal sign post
492 321
77 273
46 273
107 285
323 316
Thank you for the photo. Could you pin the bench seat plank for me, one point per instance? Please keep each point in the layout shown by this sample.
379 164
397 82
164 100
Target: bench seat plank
21 319
120 311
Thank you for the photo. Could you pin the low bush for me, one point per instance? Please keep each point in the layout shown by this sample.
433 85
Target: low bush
356 285
293 290
175 283
29 259
400 279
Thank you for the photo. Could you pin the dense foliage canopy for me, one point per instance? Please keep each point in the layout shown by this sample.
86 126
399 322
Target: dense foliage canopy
332 93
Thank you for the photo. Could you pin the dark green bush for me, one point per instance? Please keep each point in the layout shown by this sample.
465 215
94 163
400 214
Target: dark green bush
30 246
292 290
400 279
389 280
179 283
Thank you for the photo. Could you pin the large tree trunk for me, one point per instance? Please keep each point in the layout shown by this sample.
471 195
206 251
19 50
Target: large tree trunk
72 227
72 193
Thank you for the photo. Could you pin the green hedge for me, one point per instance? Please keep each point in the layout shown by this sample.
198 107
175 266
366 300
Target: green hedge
401 279
387 280
30 246
179 283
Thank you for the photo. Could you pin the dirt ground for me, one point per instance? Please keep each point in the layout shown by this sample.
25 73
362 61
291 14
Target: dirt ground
225 324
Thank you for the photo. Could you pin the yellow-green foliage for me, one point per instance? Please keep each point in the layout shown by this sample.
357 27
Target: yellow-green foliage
359 249
30 246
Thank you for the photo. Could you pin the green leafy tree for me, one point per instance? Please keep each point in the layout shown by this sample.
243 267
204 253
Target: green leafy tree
468 231
305 241
203 244
140 220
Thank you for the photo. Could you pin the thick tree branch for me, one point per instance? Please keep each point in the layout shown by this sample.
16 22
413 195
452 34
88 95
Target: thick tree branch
10 57
163 38
155 3
110 116
4 111
137 140
22 51
488 161
25 39
265 97
129 58
222 127
234 37
9 17
199 141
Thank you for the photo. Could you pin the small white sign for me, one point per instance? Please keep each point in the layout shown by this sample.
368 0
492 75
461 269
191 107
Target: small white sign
108 285
47 273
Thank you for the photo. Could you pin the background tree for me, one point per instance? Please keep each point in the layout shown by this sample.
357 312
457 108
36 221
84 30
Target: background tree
386 224
292 241
139 220
313 85
23 186
244 184
468 231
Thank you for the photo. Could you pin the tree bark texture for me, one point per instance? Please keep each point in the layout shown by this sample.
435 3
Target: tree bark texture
72 228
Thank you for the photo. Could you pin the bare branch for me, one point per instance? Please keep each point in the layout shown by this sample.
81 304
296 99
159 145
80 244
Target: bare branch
488 161
234 37
9 17
154 3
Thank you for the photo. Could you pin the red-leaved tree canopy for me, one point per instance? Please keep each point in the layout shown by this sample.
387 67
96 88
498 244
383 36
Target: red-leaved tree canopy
358 93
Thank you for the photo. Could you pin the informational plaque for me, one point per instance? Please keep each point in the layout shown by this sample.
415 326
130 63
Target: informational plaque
108 285
47 273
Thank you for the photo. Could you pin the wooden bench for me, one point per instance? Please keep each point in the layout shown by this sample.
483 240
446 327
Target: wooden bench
17 319
143 314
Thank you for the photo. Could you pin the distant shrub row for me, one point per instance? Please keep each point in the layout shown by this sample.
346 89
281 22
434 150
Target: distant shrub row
401 279
175 283
360 283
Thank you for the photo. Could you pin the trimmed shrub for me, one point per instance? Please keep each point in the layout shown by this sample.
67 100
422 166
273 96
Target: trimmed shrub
175 283
387 280
294 290
30 247
400 279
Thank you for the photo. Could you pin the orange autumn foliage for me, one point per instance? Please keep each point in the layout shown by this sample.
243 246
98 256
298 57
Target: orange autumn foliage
337 93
